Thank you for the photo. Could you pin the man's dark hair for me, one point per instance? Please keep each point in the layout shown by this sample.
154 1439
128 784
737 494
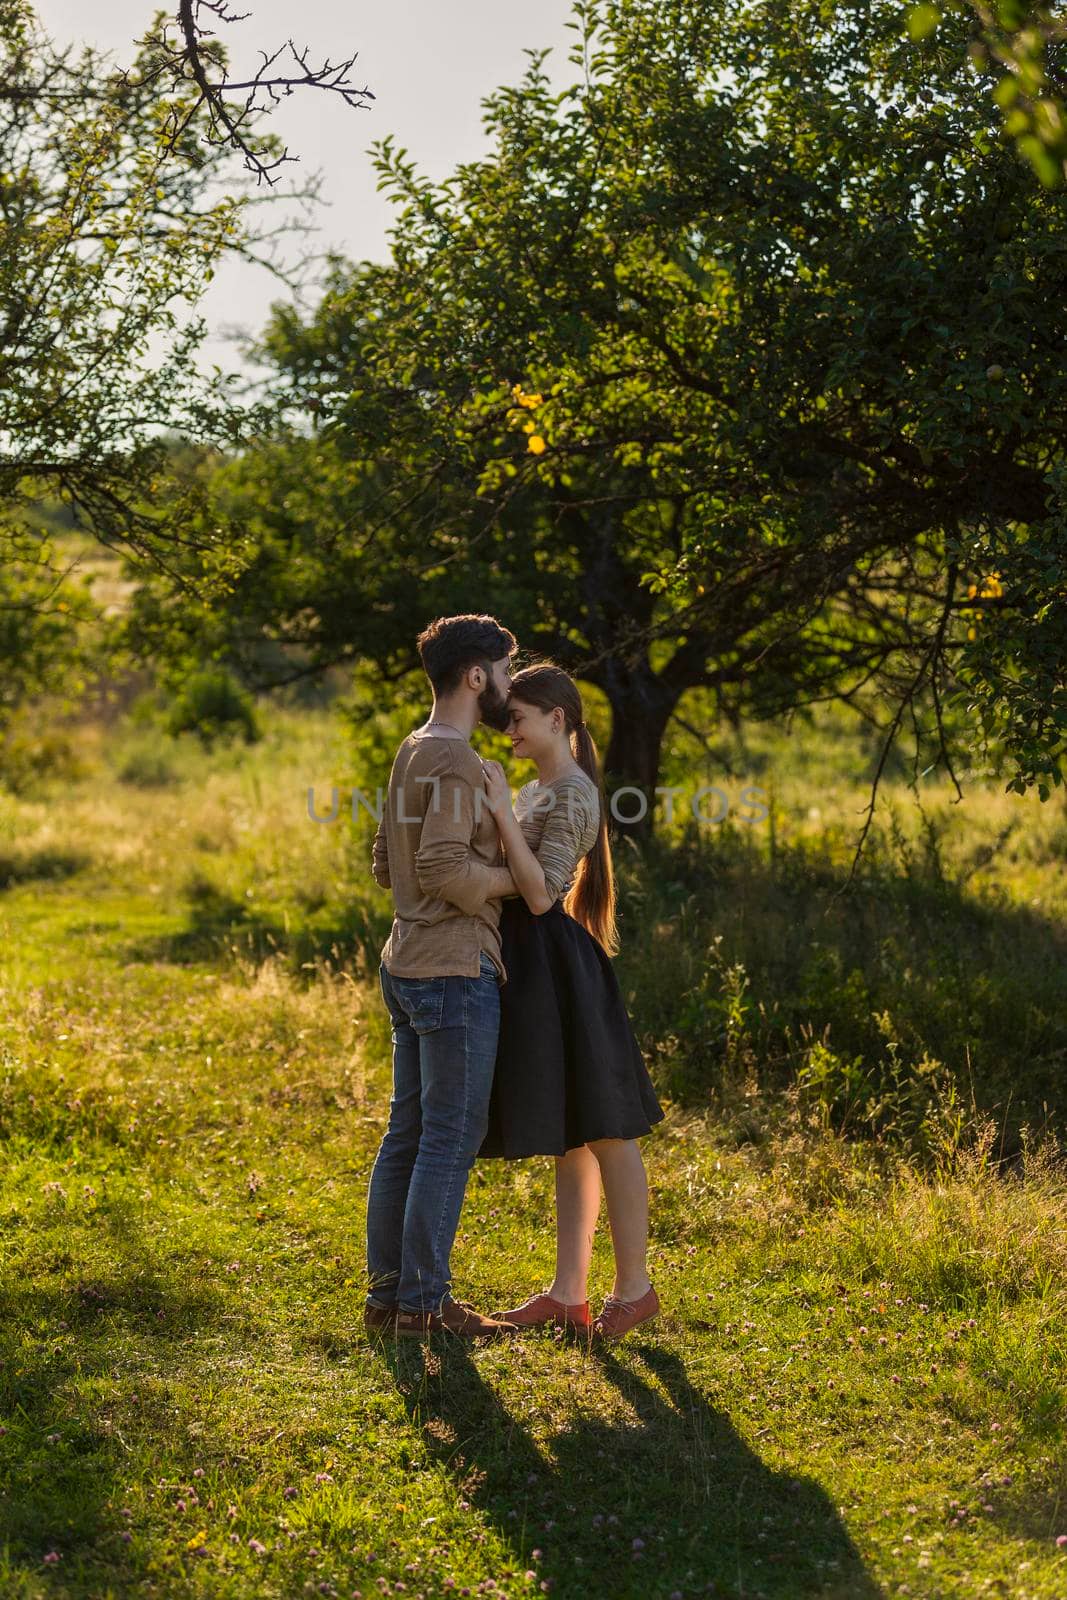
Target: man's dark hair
452 644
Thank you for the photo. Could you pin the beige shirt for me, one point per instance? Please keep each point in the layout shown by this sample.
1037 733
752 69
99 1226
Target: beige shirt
559 821
438 848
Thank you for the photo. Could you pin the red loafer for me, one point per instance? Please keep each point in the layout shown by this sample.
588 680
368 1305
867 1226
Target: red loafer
619 1316
541 1311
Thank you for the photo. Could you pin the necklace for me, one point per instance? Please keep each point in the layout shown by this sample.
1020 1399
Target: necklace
568 772
436 724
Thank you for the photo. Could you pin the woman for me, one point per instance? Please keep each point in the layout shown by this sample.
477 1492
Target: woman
570 1079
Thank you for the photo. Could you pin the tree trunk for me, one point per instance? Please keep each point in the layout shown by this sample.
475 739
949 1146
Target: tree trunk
618 611
641 705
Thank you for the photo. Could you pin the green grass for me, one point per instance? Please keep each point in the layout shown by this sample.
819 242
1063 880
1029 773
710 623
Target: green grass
857 1387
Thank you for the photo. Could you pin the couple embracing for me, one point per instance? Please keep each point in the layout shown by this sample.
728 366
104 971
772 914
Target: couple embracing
510 1034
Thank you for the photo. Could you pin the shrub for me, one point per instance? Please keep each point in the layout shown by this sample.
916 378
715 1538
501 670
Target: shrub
146 767
32 752
212 704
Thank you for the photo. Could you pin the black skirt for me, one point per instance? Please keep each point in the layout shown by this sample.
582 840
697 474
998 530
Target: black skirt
568 1066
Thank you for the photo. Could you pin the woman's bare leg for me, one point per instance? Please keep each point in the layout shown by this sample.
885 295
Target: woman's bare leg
577 1210
626 1192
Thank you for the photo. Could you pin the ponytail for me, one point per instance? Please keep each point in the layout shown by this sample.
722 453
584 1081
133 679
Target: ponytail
591 898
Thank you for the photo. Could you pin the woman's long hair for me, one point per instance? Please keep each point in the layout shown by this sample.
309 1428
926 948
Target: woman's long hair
591 898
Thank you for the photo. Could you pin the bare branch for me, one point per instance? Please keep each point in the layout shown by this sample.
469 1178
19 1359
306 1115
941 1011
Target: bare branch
229 122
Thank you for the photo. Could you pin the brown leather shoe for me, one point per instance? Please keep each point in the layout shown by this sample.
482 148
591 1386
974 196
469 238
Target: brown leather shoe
619 1316
541 1311
455 1317
379 1320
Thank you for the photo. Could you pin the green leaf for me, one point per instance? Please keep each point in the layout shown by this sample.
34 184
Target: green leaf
1006 92
922 20
1044 163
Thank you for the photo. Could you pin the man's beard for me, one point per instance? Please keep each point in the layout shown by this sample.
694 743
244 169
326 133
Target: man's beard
493 707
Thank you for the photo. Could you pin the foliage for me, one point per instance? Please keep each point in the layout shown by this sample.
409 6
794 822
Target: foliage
1029 44
734 366
37 750
119 197
109 237
212 703
45 613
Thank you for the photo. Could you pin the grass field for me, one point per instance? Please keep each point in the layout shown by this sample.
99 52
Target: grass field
859 1211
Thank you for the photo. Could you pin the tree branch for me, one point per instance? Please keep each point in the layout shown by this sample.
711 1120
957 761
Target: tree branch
262 90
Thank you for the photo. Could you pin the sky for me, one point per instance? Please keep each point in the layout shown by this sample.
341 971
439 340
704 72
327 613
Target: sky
428 63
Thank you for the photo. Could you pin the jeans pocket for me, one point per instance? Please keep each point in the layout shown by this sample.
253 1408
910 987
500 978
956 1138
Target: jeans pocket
422 999
486 967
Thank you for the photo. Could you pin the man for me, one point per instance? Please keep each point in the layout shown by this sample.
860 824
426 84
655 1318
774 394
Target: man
438 848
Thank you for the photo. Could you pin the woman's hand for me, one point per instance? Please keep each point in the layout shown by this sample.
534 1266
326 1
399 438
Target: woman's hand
498 793
525 869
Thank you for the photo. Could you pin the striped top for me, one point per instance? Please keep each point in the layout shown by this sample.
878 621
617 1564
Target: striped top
560 831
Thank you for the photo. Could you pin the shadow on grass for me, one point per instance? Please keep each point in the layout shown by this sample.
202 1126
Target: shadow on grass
910 984
909 965
219 924
1030 1506
40 864
709 1516
64 1493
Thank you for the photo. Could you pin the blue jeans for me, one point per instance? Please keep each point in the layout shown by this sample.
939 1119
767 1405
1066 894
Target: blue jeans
444 1051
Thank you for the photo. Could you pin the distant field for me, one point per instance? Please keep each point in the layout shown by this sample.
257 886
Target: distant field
859 1204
